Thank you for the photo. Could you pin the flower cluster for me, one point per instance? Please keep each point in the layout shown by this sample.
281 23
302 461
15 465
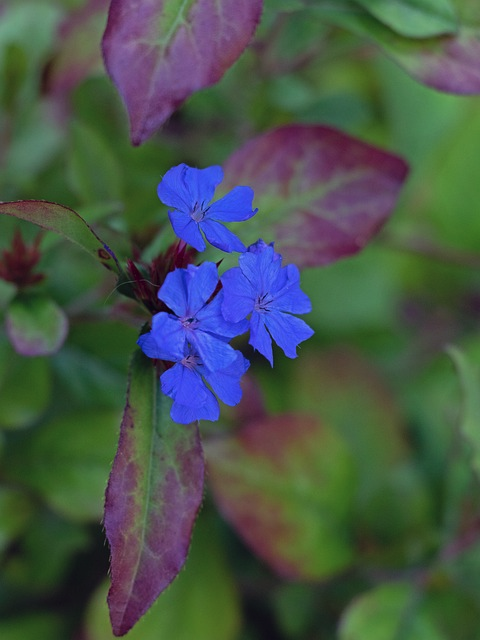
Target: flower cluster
207 310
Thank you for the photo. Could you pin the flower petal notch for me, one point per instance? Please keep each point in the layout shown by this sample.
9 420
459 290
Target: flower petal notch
322 194
189 192
158 53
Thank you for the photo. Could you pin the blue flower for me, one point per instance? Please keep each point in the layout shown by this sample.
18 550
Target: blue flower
192 399
196 321
189 192
269 293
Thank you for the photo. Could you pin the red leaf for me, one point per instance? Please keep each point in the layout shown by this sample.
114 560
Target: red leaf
160 52
321 194
153 496
448 63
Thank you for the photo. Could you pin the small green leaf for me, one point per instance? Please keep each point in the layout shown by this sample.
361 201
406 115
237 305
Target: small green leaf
469 376
389 612
414 18
36 325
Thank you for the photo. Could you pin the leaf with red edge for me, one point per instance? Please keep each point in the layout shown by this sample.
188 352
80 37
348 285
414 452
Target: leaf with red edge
152 499
67 223
286 485
160 52
321 194
448 63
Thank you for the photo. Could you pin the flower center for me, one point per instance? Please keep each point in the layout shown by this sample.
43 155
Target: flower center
191 361
189 323
198 212
262 303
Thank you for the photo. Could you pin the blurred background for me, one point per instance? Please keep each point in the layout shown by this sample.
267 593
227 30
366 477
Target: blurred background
376 420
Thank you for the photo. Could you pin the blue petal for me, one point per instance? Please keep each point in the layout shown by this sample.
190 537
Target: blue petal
259 337
202 282
187 229
238 295
183 187
290 297
261 269
221 237
174 292
234 207
213 321
149 346
214 353
287 331
169 335
201 183
184 385
173 191
185 415
226 383
260 245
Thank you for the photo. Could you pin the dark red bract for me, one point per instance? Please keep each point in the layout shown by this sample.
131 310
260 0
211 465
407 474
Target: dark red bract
17 264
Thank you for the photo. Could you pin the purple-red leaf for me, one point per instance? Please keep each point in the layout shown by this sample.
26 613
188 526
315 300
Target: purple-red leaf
449 63
321 194
67 223
153 496
160 52
286 484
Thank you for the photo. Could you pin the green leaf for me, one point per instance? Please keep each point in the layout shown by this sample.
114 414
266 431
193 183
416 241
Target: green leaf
201 604
33 626
36 325
66 222
414 18
25 390
286 484
470 419
93 170
389 612
68 460
152 499
16 510
35 572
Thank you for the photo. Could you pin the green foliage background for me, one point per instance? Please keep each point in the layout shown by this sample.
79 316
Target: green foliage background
377 372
